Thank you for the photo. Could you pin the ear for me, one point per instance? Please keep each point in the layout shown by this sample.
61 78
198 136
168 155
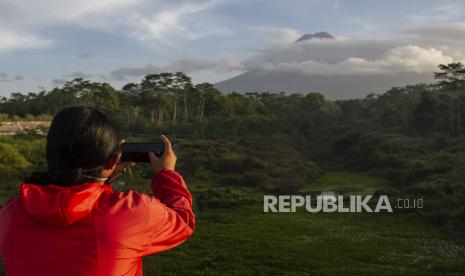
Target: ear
112 164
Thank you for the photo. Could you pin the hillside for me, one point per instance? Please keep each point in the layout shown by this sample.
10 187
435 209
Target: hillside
332 87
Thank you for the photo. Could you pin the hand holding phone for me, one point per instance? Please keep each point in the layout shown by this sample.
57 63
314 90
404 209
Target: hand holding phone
168 159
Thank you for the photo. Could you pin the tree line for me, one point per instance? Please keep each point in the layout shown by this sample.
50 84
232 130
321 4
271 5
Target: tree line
172 101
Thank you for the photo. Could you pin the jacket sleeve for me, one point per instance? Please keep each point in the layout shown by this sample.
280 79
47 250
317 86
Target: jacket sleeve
176 220
133 224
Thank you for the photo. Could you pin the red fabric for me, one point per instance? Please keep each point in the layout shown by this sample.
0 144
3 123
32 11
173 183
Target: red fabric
90 230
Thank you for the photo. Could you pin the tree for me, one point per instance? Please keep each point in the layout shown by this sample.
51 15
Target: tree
452 82
425 113
155 88
205 91
129 98
451 76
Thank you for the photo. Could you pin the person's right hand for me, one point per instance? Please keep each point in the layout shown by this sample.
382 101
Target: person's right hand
165 162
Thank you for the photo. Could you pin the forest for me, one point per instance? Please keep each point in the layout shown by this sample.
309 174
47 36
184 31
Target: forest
413 138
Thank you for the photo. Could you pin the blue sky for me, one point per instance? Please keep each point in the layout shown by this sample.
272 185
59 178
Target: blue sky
44 43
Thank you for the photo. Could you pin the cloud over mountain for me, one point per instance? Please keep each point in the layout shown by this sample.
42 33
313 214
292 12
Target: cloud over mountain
414 51
407 58
279 34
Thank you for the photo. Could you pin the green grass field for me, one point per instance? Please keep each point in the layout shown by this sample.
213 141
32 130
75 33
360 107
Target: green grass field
346 183
246 241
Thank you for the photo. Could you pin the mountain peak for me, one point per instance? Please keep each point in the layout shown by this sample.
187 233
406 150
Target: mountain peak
318 35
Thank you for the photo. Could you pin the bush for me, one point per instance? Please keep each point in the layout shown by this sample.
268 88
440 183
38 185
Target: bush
11 157
9 173
265 164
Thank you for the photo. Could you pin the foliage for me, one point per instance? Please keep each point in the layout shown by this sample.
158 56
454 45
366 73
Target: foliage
261 163
20 155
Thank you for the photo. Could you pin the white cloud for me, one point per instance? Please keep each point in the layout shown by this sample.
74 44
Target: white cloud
153 21
279 34
20 40
49 12
21 22
442 33
447 37
168 22
322 50
408 58
415 50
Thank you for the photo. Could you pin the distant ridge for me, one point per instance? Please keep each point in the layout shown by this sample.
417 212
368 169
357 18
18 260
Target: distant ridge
318 35
334 87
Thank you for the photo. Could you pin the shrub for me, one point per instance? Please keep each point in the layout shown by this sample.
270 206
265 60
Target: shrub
261 163
9 173
10 156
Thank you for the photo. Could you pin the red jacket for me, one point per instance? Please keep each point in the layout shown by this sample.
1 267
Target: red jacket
89 229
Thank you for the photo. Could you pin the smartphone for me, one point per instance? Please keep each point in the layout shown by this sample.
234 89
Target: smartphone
139 152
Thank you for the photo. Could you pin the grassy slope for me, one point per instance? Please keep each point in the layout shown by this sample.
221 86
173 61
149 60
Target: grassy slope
245 240
248 241
251 242
346 183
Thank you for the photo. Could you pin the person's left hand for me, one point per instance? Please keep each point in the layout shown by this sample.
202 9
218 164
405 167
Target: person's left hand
121 167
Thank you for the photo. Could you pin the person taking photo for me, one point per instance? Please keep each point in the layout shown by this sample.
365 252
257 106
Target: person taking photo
69 221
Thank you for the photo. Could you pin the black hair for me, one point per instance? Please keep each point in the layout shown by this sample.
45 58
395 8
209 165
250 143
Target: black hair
80 142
